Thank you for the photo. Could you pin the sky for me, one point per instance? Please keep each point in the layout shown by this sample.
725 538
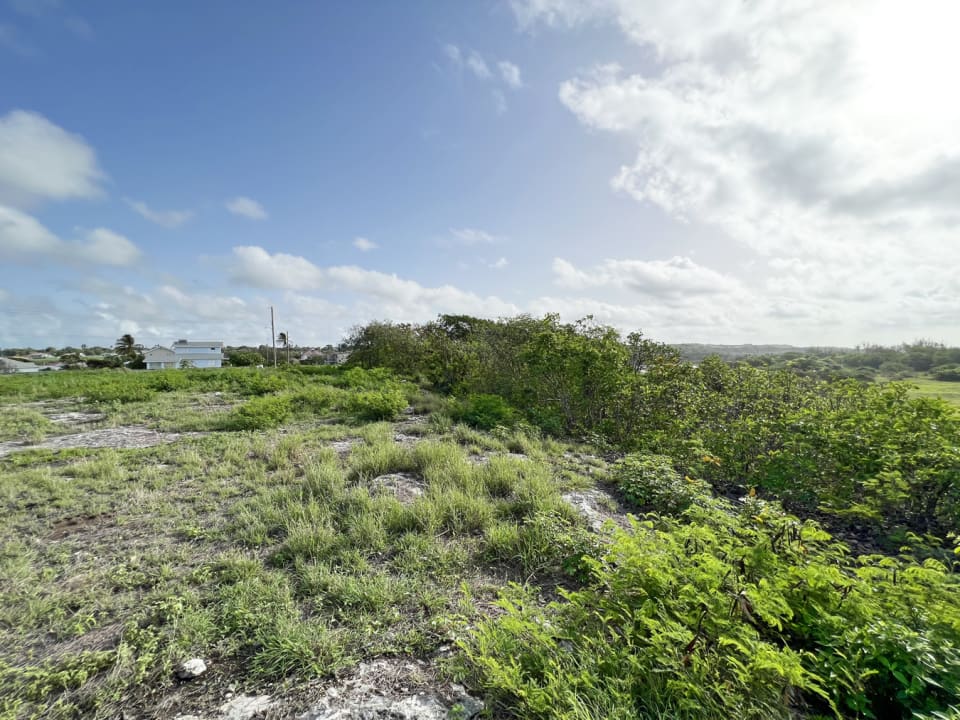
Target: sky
773 171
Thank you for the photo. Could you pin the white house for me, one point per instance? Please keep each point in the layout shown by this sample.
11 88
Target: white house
159 358
199 353
15 366
193 353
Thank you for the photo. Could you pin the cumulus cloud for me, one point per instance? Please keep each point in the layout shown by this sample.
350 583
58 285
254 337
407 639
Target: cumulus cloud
364 245
246 207
395 297
254 266
792 129
499 264
40 160
24 239
510 74
165 218
673 278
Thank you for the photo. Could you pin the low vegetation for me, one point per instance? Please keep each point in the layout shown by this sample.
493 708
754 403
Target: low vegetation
791 549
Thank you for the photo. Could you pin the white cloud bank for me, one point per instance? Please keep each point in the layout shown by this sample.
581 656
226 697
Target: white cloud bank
24 239
820 136
396 297
41 161
246 207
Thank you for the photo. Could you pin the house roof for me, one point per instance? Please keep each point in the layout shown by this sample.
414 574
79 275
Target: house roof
157 352
198 343
8 364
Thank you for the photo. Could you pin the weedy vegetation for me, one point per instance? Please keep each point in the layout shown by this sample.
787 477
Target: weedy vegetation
789 550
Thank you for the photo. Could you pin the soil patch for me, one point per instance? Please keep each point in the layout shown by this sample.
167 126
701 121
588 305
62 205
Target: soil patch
79 524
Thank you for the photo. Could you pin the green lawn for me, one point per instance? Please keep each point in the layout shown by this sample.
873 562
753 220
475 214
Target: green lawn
949 391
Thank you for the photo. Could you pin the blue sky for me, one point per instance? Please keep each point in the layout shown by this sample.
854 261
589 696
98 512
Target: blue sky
717 172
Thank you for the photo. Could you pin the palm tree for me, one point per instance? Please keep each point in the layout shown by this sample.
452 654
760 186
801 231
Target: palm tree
126 347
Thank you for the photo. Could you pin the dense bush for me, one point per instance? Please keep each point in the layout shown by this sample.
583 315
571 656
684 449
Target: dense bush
261 413
867 453
946 372
245 358
484 411
376 404
728 614
651 483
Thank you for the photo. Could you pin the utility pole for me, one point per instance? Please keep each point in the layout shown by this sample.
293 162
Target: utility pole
273 337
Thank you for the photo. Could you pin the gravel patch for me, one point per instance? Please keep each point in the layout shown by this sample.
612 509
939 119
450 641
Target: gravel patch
394 689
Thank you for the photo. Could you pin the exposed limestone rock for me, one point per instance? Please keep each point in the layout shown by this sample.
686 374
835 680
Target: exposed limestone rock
194 667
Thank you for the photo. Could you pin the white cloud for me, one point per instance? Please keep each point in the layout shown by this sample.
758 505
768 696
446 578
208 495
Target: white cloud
453 54
510 74
105 247
469 237
386 295
364 245
246 207
23 235
166 218
676 277
792 129
256 267
40 160
499 264
24 239
477 65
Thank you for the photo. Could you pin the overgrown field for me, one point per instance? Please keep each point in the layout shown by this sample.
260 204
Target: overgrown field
287 525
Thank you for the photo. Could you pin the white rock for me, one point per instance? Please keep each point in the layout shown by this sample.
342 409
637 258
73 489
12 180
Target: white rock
244 707
194 667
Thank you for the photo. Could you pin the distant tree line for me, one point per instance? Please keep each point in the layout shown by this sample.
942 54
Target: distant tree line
869 362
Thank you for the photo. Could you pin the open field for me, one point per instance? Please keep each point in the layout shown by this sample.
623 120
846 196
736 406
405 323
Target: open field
282 556
949 391
332 544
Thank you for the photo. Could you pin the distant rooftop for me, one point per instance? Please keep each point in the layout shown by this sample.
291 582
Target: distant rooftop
198 343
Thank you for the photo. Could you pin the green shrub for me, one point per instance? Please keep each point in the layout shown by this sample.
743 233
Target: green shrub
121 391
949 373
260 413
383 404
651 483
484 411
721 614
